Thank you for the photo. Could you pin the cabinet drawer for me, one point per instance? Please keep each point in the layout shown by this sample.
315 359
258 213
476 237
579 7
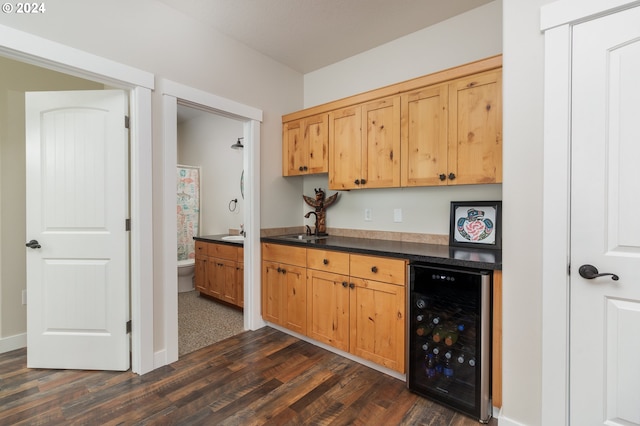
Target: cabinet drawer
223 251
330 261
201 248
284 254
381 269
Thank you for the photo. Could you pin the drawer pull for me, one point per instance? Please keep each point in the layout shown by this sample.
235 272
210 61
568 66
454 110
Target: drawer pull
374 269
325 261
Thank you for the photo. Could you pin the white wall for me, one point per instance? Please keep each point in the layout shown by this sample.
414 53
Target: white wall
205 141
474 35
523 86
150 36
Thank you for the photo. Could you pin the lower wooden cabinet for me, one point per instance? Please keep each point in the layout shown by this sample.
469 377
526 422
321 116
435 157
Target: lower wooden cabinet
218 272
354 314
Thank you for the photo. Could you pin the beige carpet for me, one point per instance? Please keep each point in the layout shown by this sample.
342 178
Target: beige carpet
202 322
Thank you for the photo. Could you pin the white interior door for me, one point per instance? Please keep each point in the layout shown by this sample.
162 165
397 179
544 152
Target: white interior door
605 229
77 204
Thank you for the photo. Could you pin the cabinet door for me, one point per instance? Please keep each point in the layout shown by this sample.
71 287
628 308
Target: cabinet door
378 323
229 285
475 129
216 277
424 137
272 302
381 144
328 308
240 283
294 295
345 148
293 149
316 136
201 274
305 146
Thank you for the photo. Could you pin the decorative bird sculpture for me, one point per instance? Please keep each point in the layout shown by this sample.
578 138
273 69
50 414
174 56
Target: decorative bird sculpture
320 204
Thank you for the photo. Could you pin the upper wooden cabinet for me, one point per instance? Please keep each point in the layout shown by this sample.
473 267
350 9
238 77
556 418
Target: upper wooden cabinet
425 136
364 145
305 146
444 128
452 133
475 129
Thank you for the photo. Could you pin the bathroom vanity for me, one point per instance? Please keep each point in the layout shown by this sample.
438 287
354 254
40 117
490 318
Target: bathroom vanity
219 271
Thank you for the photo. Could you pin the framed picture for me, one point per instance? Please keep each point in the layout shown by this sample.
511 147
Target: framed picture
476 223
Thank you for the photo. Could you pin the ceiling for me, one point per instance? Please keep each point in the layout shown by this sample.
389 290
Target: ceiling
310 34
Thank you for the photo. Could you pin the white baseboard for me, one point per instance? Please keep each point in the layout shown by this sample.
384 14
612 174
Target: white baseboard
12 343
505 421
160 359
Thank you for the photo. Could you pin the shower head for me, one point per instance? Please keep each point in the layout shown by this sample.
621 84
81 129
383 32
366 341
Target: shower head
238 144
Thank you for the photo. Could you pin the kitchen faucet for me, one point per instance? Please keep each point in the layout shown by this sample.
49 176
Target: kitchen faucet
316 224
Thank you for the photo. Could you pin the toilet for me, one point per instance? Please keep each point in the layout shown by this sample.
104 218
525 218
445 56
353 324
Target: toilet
185 275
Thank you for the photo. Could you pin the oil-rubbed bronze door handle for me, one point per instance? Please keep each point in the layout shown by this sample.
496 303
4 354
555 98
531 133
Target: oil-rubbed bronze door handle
590 272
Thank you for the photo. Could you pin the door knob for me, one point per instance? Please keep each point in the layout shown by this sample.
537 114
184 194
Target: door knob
590 272
34 244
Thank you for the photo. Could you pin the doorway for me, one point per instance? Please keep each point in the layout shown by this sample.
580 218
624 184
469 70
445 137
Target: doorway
175 94
66 62
210 202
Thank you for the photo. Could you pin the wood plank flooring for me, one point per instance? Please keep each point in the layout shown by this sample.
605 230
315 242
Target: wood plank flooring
254 378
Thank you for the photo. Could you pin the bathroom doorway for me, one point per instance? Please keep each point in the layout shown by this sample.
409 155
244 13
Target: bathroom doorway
174 95
209 202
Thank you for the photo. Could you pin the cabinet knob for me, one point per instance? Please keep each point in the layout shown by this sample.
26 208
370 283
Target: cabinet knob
357 181
300 169
374 269
352 285
344 284
442 176
363 181
279 269
452 176
305 168
325 261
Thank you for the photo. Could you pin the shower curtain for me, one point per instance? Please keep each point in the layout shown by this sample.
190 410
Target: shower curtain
188 203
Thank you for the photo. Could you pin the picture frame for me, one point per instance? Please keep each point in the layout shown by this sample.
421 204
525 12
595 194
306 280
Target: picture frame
476 223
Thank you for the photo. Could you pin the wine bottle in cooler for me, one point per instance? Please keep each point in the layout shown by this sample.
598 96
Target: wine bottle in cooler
448 365
450 337
438 334
430 366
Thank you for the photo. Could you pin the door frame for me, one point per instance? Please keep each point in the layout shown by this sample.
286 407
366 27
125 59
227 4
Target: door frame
557 21
173 94
47 54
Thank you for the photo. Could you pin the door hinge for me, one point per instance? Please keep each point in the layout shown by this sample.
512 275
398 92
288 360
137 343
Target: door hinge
569 269
126 121
128 326
127 224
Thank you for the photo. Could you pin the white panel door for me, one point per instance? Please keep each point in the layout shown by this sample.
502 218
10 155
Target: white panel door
605 222
77 204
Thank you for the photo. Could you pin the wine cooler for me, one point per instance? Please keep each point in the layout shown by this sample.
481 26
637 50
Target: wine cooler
449 327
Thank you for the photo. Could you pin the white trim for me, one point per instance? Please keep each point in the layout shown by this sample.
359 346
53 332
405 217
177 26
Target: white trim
49 54
38 51
252 253
12 343
564 12
172 94
141 232
198 98
555 217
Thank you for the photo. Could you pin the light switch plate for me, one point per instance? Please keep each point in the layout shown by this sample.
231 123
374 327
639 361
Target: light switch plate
397 215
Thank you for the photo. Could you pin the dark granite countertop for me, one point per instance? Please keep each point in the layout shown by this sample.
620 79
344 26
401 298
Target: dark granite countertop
415 252
218 239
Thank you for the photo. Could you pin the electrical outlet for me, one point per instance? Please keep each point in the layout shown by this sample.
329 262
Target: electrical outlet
368 215
397 215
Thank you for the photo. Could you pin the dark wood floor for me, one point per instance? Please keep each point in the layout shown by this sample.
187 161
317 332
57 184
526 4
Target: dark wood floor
255 378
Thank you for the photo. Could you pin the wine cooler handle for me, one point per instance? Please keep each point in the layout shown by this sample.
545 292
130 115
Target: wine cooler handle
590 272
